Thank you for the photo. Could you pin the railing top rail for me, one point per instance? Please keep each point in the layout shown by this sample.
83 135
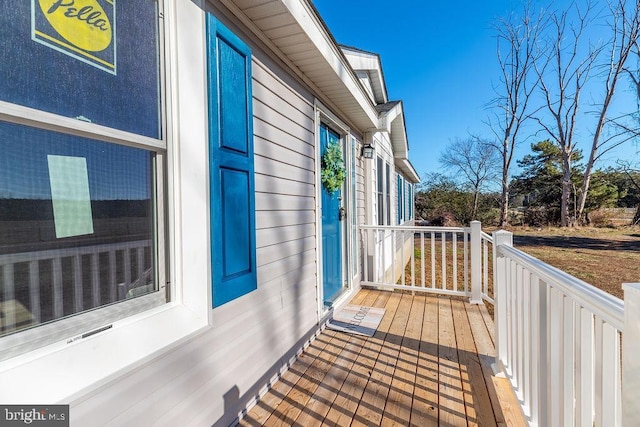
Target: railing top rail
68 252
487 237
602 304
416 228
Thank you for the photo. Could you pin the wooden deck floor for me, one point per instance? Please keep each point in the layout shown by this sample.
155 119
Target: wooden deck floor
427 365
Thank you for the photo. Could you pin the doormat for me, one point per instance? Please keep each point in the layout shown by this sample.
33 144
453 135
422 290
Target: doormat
356 319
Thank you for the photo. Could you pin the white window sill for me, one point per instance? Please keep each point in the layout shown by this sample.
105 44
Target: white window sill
61 372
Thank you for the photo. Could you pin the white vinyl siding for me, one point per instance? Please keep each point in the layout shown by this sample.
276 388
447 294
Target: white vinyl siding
259 332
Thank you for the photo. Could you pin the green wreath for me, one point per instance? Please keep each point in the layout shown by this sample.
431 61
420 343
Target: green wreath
333 171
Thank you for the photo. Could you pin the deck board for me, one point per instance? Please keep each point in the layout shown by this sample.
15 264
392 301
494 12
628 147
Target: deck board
346 403
425 398
371 406
428 364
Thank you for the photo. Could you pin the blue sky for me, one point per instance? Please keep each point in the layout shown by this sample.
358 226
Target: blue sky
439 57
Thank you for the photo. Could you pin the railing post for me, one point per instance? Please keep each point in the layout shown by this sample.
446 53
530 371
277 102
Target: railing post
630 359
476 262
500 266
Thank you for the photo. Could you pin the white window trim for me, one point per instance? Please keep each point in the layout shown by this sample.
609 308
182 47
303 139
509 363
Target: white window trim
21 115
65 372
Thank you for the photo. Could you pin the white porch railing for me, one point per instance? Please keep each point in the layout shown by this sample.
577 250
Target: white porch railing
558 339
22 270
443 260
558 342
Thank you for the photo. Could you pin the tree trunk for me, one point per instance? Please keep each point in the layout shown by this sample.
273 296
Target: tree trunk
636 217
565 217
504 202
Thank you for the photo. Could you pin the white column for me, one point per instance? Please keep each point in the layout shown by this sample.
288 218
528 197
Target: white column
476 262
630 359
500 265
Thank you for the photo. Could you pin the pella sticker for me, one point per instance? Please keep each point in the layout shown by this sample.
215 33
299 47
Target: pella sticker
82 29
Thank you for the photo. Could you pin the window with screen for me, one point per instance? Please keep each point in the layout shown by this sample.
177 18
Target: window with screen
81 137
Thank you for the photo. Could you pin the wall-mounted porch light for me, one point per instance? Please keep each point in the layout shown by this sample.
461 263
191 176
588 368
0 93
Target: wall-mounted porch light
368 151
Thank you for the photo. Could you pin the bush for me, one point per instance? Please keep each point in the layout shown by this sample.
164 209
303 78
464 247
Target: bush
444 219
600 218
539 216
490 216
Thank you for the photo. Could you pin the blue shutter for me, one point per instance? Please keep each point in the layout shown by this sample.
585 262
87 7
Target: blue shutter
231 175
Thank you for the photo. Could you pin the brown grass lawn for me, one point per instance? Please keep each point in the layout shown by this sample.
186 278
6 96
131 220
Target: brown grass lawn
603 257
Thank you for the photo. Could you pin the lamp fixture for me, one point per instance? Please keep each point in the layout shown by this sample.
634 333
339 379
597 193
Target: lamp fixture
368 151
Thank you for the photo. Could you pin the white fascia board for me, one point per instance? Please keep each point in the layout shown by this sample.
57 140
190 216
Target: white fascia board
392 121
309 22
399 137
362 61
388 117
408 170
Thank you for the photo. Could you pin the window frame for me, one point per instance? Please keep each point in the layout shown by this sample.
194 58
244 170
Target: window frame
89 363
387 185
380 190
401 199
70 329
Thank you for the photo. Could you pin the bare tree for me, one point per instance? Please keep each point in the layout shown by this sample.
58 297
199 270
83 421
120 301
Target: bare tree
625 26
564 69
475 162
517 51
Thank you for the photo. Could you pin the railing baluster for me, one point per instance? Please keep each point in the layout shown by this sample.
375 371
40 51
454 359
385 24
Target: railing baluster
465 239
95 279
611 404
584 367
444 260
455 260
9 294
568 363
556 357
630 351
538 353
413 259
422 257
527 349
384 256
394 250
599 392
113 280
485 268
140 262
34 290
433 260
365 256
518 330
126 256
58 303
78 294
544 330
510 315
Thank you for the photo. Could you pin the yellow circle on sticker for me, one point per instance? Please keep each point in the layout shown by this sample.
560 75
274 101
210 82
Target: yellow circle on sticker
83 23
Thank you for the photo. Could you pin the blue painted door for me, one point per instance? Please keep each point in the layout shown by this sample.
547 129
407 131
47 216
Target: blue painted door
331 229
